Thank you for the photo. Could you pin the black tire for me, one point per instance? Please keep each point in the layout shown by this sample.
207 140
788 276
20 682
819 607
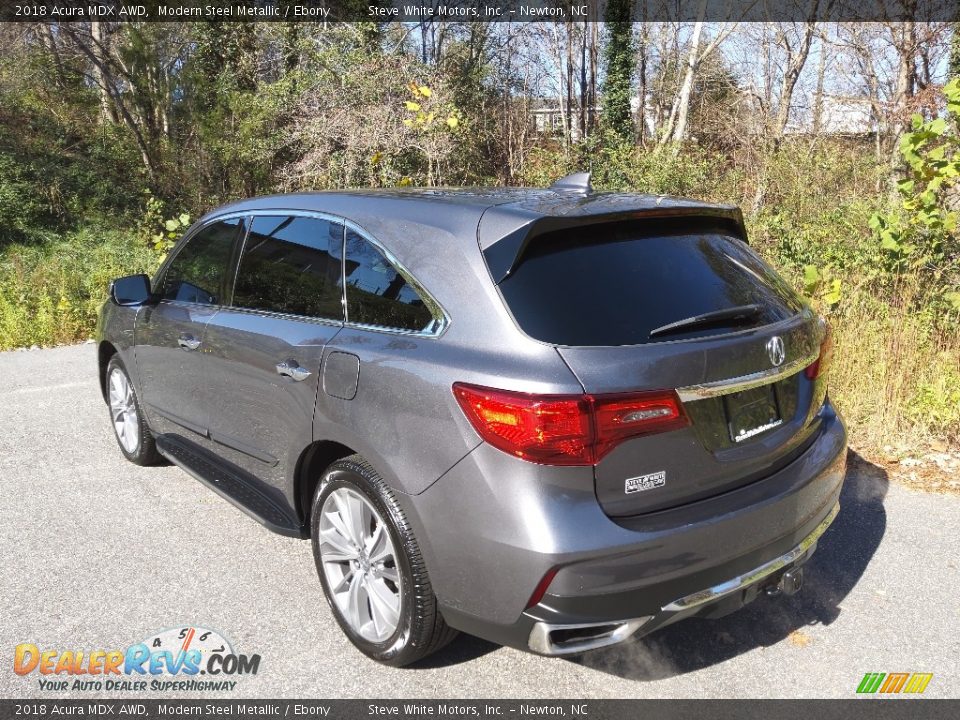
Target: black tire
145 452
421 629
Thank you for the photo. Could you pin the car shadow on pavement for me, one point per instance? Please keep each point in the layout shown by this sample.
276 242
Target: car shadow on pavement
834 570
463 649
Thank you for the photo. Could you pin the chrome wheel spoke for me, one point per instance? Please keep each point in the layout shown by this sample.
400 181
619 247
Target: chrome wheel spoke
381 549
356 509
339 549
384 602
343 583
354 611
130 425
391 574
123 411
355 552
340 519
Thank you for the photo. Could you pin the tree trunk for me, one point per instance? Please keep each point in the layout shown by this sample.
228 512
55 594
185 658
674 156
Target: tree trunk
955 50
686 89
51 44
792 74
583 82
592 88
570 93
100 76
818 94
906 86
642 76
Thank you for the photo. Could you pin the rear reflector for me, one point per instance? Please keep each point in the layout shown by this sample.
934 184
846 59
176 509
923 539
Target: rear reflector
566 429
541 589
819 366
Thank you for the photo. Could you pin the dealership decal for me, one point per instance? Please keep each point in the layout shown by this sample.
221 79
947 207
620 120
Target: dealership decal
173 659
894 683
645 482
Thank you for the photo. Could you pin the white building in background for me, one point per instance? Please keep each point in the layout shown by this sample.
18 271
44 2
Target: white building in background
839 115
548 120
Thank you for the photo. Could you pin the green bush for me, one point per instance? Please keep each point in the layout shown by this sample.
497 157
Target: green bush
51 293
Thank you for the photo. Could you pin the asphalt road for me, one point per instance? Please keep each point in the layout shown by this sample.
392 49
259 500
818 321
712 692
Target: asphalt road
98 553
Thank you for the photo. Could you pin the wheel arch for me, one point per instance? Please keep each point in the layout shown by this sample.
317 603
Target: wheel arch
105 352
314 459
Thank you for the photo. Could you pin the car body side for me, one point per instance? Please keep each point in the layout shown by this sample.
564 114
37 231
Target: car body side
491 525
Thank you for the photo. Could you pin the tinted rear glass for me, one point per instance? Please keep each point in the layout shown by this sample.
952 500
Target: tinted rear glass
614 284
377 294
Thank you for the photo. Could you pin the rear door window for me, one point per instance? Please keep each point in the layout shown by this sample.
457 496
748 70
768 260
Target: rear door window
377 293
196 274
291 265
614 284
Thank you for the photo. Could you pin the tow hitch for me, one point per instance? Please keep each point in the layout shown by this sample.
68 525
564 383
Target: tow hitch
788 584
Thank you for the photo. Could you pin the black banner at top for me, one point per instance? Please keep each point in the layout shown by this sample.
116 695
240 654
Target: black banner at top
384 11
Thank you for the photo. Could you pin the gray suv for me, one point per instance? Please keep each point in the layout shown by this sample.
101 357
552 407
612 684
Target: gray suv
551 418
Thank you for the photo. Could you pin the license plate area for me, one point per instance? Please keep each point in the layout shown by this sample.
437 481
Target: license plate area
751 412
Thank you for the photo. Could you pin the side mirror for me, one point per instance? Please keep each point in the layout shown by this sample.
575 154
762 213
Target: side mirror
130 290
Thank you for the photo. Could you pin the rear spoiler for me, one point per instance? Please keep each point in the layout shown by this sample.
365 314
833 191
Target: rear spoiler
506 254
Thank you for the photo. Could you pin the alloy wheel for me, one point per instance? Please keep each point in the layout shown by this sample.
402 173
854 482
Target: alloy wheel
360 564
123 411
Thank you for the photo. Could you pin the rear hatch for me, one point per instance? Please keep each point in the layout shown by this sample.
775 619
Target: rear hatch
677 303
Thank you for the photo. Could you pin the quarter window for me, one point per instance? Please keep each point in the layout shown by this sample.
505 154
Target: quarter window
377 294
291 265
196 273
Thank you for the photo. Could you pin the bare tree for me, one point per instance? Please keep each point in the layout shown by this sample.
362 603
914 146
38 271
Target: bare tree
676 128
795 42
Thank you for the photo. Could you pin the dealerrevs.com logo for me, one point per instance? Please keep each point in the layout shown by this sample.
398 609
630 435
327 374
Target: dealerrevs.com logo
178 659
894 683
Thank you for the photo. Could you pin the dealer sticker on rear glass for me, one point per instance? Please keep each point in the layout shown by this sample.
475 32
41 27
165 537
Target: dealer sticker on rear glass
645 482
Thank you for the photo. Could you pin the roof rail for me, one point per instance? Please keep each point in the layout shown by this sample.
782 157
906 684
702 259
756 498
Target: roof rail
577 182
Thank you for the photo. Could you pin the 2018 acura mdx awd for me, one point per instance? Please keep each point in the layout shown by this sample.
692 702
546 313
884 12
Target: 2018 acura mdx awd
551 418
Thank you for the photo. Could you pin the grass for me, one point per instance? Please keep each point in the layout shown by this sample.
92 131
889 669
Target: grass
50 293
895 377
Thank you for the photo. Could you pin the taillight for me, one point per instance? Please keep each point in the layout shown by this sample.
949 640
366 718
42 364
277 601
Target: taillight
566 429
819 366
618 417
548 429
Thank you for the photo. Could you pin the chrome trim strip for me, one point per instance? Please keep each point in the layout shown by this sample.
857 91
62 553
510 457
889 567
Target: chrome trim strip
744 382
742 581
541 642
441 319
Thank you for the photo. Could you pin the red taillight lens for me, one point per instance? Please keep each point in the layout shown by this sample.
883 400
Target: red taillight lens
565 429
549 429
619 417
819 366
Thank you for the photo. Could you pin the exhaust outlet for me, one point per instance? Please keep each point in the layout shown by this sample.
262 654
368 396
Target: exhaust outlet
548 639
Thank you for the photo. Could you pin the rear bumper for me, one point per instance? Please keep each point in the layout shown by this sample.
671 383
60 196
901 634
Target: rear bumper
498 525
549 637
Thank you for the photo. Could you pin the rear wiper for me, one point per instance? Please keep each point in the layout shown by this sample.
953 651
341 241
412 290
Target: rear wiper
735 315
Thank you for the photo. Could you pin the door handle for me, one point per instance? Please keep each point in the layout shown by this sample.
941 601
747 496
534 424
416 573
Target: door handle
188 342
292 370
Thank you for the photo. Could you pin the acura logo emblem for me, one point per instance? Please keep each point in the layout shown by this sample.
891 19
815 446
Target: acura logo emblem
776 350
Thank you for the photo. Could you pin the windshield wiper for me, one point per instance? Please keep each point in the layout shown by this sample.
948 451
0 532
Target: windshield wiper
734 316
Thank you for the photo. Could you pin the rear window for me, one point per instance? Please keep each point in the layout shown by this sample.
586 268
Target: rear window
614 284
